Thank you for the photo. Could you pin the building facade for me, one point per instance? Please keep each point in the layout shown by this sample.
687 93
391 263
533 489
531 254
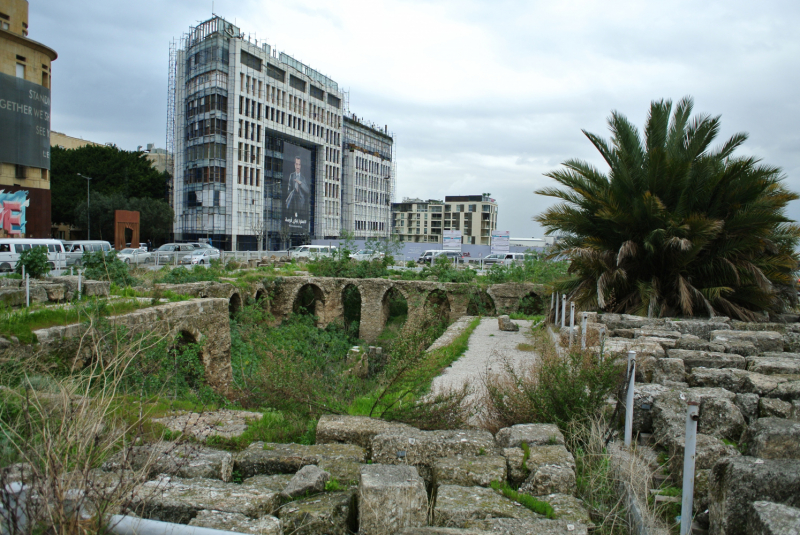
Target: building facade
368 174
257 143
416 220
25 78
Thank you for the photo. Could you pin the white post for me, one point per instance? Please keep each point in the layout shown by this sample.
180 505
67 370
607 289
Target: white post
629 400
557 307
552 300
584 321
563 310
692 415
27 290
571 321
23 271
79 283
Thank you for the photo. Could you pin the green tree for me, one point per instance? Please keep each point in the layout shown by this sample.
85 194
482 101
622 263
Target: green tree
675 226
155 216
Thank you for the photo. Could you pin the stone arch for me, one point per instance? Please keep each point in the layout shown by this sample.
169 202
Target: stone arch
234 303
394 304
480 303
531 304
351 304
438 303
309 299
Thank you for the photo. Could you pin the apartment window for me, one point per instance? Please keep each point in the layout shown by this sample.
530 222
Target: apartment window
20 71
472 207
19 171
45 80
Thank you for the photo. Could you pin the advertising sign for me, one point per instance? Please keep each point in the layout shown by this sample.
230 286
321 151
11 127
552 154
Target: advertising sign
500 239
12 212
451 240
25 120
296 189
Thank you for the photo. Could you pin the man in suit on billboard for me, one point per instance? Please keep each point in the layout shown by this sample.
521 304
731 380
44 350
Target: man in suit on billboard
297 190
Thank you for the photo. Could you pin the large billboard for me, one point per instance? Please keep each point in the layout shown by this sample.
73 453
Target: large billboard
25 120
296 189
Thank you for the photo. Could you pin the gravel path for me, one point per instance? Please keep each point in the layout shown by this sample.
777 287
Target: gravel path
489 348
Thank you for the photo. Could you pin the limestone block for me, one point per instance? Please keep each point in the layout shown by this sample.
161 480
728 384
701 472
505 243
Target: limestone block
237 522
345 471
791 341
656 333
736 482
331 513
569 508
768 518
669 411
202 425
759 326
700 329
796 409
734 380
10 283
12 297
185 460
434 530
787 391
763 340
529 526
172 499
721 418
358 430
532 434
748 405
55 292
267 458
516 473
622 333
774 365
422 448
552 470
308 480
669 371
390 498
457 506
773 438
709 451
771 407
477 471
695 343
275 483
745 349
504 323
644 396
37 294
706 359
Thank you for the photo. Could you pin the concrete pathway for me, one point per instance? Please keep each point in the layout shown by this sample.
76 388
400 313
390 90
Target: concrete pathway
489 350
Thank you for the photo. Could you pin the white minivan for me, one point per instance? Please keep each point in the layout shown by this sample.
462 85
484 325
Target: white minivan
313 251
10 248
75 250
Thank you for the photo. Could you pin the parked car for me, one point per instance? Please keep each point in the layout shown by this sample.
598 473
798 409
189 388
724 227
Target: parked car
201 245
201 256
366 254
502 258
314 251
167 252
135 256
429 256
10 248
75 250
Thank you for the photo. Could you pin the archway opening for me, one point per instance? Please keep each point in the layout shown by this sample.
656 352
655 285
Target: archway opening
531 304
480 304
438 305
182 371
351 308
395 313
308 301
234 304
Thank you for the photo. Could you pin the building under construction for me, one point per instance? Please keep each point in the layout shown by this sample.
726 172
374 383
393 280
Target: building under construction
257 142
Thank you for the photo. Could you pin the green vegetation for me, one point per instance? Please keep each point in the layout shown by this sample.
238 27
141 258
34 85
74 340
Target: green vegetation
532 269
35 262
675 227
102 266
537 506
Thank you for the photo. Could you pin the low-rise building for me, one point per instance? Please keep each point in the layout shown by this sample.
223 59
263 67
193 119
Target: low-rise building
417 220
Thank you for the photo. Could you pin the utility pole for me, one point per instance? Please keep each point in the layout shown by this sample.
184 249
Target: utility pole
88 211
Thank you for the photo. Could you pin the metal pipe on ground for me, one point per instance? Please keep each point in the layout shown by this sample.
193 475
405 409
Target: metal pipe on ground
127 525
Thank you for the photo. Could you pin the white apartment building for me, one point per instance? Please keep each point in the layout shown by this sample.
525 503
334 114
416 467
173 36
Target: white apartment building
416 220
368 175
257 143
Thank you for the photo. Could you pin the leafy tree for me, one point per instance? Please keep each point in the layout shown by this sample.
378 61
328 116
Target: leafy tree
155 216
675 226
35 262
107 267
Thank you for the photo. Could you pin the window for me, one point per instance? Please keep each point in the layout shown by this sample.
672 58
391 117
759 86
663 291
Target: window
19 171
251 61
20 70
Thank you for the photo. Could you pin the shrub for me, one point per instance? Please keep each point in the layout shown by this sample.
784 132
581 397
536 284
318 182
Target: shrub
181 275
532 269
107 267
35 262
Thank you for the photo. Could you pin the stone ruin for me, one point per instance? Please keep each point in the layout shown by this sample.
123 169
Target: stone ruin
746 378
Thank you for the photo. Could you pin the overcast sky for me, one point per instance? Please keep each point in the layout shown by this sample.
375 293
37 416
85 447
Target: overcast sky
483 96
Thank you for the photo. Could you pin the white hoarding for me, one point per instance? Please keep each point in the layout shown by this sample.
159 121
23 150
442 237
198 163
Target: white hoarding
500 240
451 240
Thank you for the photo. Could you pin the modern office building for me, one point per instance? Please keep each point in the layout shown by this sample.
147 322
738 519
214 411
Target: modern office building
25 78
416 220
368 175
257 142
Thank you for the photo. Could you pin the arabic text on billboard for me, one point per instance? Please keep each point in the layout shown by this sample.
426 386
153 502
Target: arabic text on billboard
500 239
296 187
25 120
451 240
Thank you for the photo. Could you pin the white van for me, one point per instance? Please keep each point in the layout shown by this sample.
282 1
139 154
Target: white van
313 251
75 250
10 248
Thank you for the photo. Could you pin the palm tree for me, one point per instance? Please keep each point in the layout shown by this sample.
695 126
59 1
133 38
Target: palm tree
675 227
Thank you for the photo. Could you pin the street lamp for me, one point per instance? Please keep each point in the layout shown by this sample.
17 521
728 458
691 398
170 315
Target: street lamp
88 212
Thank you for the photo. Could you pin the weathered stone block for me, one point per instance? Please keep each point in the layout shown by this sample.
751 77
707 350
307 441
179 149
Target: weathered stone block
552 470
569 508
516 472
504 323
642 347
669 371
695 343
331 513
743 348
477 471
773 438
177 500
787 391
237 522
274 483
12 297
657 333
748 405
767 518
791 341
721 418
644 397
736 482
708 451
529 526
457 506
771 407
706 359
183 460
308 480
532 434
358 430
700 329
669 411
737 381
267 458
390 498
774 365
763 340
422 448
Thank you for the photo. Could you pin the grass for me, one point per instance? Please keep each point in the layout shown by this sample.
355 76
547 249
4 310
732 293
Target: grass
526 347
537 506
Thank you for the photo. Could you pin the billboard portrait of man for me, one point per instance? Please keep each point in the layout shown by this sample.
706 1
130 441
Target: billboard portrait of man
297 189
298 177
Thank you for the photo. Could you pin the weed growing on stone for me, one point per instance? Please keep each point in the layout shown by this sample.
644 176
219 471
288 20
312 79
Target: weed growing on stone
537 506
